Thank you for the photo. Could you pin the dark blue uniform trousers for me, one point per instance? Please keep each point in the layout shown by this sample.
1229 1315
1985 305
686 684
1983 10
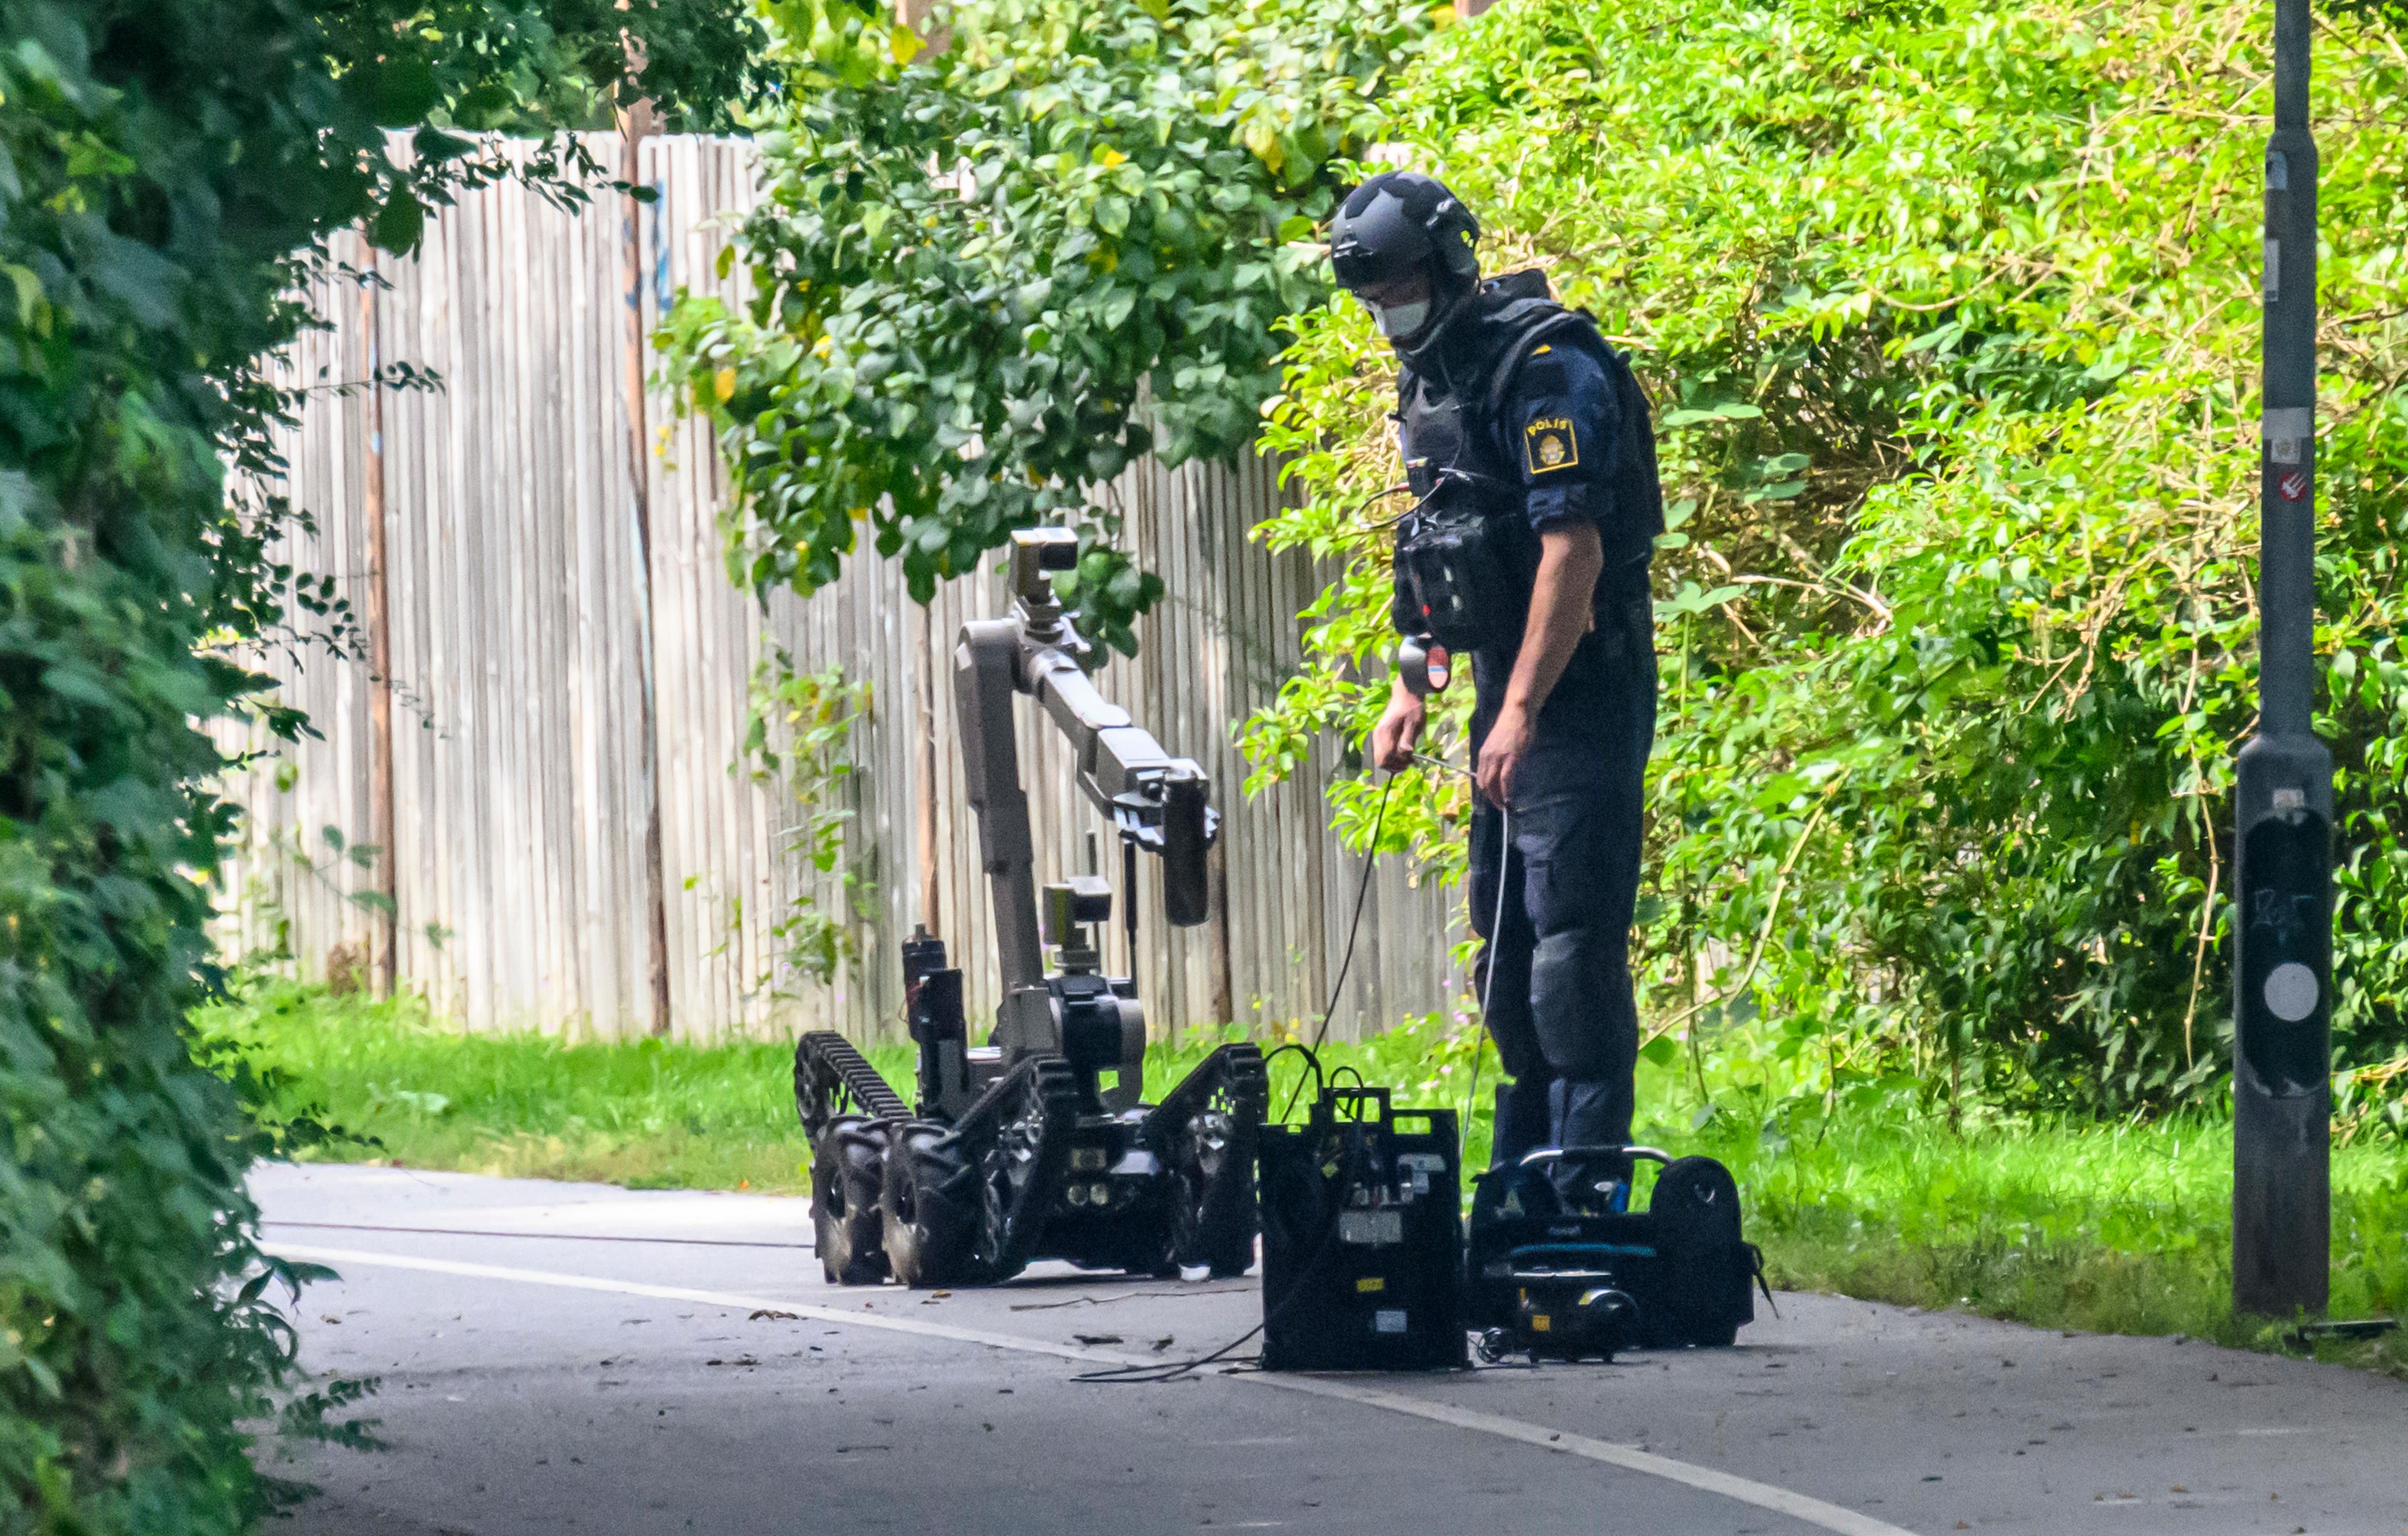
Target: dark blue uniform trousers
1560 1007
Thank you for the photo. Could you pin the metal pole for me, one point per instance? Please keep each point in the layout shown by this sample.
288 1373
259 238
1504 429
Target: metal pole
2281 1200
635 124
923 801
384 957
1225 985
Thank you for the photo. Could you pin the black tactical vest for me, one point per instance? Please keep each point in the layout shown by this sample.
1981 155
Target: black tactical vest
1466 558
1448 397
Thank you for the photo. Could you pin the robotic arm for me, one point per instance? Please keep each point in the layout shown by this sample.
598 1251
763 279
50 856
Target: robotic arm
1154 801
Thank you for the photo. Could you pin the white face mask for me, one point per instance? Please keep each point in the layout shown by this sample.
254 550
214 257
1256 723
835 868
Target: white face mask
1398 321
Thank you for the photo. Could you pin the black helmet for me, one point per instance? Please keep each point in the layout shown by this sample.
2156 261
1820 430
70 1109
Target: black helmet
1397 223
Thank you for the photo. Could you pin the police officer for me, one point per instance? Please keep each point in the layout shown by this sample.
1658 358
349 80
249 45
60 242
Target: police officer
1528 447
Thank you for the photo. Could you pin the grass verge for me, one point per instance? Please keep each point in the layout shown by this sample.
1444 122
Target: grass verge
2121 1229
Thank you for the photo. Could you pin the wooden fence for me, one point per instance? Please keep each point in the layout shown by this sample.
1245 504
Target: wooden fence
567 661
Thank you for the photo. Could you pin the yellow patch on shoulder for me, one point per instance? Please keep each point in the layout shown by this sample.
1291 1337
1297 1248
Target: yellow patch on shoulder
1549 443
1542 349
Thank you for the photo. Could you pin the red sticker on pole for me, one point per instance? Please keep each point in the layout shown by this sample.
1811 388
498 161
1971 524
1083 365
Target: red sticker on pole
2293 486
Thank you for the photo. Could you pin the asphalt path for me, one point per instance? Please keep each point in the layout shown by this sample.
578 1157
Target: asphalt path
572 1358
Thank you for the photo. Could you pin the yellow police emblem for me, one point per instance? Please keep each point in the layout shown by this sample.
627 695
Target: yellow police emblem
1549 443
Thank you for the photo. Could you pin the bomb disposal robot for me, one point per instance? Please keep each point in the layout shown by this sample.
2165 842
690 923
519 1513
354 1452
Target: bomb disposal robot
1038 1144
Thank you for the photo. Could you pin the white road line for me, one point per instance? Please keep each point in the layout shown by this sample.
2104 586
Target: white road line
1814 1511
1797 1506
535 1237
864 1318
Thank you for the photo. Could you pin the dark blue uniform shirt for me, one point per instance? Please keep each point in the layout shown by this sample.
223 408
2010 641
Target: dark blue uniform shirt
1570 429
1561 427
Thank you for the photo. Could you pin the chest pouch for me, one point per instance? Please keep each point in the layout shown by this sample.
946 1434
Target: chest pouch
1462 572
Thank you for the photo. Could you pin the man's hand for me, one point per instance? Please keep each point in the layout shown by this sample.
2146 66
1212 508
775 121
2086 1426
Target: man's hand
1399 730
1571 556
1500 752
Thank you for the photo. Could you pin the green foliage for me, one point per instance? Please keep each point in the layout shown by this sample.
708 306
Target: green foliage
168 173
1331 424
642 1114
1855 1184
796 728
2371 1102
988 276
1949 314
534 66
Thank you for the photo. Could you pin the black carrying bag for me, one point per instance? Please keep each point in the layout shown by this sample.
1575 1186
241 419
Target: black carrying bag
1709 1270
1689 1275
1463 570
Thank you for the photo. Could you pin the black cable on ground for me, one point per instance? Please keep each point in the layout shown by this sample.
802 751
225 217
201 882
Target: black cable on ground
1150 1374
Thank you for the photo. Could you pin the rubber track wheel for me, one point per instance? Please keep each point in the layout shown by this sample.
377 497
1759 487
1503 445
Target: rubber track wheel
1212 1223
808 1094
1053 1090
1216 1217
932 1208
847 1179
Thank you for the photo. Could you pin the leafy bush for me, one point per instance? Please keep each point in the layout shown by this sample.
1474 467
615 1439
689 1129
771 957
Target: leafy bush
1949 312
158 210
987 276
798 728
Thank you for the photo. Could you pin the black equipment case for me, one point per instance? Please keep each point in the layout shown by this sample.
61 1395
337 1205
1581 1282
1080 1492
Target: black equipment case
1362 1240
1551 1283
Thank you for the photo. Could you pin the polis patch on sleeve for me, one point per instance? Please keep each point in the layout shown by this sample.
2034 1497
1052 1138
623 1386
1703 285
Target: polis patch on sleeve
1548 443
